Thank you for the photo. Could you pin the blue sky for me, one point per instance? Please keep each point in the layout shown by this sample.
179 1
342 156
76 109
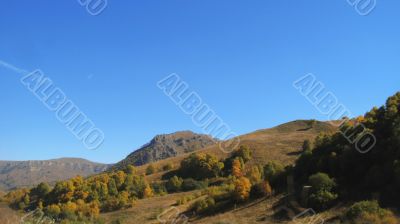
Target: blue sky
241 57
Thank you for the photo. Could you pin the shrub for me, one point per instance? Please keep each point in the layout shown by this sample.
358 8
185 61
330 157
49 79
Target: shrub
369 212
150 169
322 200
191 184
174 184
321 182
262 189
204 205
53 211
159 188
221 193
168 166
255 174
185 199
273 172
243 152
307 146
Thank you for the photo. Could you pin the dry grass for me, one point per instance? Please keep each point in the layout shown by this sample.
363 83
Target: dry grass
146 211
282 143
7 215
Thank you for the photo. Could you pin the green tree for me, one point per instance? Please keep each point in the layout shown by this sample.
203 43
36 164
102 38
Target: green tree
150 169
112 188
274 173
321 182
244 152
307 146
174 184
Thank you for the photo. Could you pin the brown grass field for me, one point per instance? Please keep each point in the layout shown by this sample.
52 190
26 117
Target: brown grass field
282 143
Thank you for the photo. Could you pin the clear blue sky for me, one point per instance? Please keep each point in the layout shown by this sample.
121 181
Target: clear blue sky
241 57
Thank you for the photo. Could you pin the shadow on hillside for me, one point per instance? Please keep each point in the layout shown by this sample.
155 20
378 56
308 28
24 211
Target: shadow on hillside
294 153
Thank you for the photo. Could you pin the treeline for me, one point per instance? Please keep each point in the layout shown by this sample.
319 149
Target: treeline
81 199
330 170
223 181
231 181
336 171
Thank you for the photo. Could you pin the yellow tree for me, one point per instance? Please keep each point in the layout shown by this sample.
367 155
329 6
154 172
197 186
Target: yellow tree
237 168
242 189
119 178
255 175
148 192
267 188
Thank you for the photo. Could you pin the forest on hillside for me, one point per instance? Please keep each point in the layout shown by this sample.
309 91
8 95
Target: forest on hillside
330 167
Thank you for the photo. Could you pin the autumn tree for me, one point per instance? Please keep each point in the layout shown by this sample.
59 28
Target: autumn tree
148 192
243 152
53 211
242 189
150 169
237 168
255 175
200 166
168 166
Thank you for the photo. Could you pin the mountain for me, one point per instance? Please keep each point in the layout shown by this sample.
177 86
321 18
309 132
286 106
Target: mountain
16 174
166 146
282 143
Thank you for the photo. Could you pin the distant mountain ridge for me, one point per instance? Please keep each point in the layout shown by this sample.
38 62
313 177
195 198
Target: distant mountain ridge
166 146
16 174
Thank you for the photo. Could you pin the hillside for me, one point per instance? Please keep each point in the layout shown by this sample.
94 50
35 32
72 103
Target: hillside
166 146
281 143
130 195
16 174
263 211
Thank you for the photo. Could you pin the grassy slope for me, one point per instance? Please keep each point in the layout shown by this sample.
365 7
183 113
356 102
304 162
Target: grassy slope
7 215
282 143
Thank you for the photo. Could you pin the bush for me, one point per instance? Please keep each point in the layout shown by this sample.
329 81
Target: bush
322 200
53 211
243 152
168 167
174 184
274 173
369 212
260 190
220 193
185 199
307 145
321 182
150 169
204 206
159 188
190 185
